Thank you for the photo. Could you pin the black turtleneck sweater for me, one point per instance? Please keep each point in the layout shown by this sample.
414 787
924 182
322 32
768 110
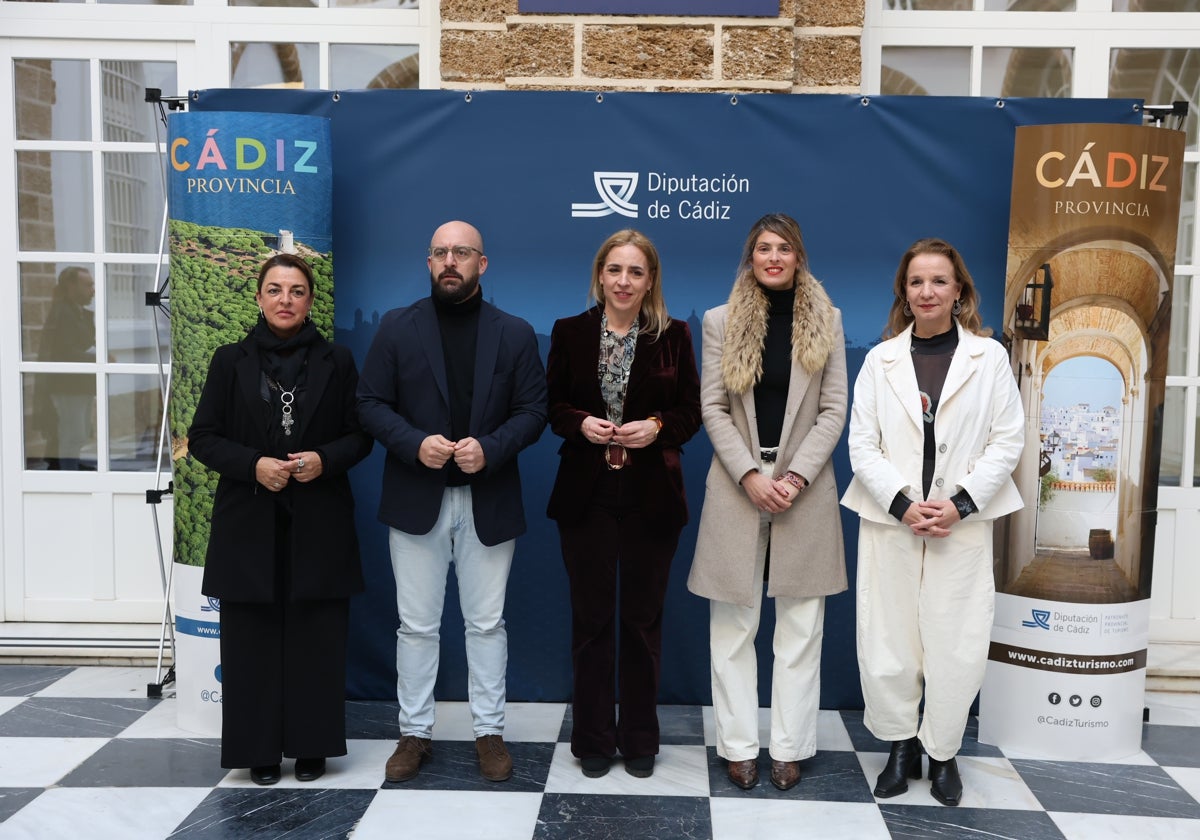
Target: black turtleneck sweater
770 394
459 326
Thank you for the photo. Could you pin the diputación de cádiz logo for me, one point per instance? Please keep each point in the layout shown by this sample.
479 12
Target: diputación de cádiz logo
615 190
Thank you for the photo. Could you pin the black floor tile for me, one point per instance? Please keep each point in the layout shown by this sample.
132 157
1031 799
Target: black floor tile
26 680
920 822
565 816
73 717
151 762
455 766
14 799
1125 789
829 776
1172 746
232 813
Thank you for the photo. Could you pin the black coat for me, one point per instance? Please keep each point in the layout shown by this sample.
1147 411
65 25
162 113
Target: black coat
229 434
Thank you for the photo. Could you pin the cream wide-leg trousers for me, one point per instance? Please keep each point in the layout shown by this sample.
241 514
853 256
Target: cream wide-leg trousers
795 677
924 616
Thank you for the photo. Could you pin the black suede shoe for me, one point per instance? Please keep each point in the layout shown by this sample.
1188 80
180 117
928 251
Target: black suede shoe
268 774
309 769
595 766
903 764
642 767
945 783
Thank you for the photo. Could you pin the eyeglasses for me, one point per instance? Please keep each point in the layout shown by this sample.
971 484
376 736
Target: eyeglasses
461 252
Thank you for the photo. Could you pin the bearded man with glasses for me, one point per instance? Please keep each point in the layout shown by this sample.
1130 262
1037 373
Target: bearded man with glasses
453 388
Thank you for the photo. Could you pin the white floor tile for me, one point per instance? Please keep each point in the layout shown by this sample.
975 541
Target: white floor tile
160 722
746 819
104 813
436 815
1173 708
987 783
680 770
7 703
100 681
41 762
1110 827
1189 780
522 721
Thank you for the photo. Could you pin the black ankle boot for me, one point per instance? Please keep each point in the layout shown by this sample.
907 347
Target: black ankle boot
945 783
903 764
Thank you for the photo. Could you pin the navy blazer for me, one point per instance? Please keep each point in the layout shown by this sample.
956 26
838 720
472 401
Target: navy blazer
403 398
663 383
229 435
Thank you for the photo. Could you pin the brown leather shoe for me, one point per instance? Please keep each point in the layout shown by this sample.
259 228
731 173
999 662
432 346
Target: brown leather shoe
785 774
405 763
744 774
495 764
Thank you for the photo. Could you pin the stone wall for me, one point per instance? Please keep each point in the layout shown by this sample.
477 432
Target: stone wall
814 46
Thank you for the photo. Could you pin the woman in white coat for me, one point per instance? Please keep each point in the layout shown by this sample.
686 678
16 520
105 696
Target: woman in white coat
936 429
773 398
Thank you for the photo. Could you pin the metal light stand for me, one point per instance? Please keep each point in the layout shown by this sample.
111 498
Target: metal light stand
160 300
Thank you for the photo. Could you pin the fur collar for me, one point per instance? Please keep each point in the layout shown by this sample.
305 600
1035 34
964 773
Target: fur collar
746 331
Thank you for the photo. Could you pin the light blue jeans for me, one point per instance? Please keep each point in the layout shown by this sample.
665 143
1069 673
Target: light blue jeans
421 564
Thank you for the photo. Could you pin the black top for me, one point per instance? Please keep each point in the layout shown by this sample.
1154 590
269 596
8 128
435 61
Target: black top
770 393
459 325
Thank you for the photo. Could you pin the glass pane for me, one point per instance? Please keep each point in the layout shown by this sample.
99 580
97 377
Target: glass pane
131 323
273 65
1171 463
1029 5
52 99
58 319
1026 72
927 5
60 421
147 2
359 66
128 117
1159 77
134 420
1181 307
376 4
133 202
54 201
1185 250
1156 6
926 71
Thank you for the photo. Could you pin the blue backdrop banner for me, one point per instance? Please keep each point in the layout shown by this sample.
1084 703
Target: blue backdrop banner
546 177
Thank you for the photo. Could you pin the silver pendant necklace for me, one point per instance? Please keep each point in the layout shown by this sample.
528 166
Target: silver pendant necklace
286 398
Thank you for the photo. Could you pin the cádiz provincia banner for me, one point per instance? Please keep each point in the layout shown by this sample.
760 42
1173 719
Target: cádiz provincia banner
1091 255
241 187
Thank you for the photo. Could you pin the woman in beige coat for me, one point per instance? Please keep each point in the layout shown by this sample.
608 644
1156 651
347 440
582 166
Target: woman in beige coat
773 399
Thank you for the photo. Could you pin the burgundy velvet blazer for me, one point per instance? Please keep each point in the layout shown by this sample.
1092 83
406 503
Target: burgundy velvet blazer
663 383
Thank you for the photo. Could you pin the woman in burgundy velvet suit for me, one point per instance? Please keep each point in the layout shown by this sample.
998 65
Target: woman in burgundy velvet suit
624 396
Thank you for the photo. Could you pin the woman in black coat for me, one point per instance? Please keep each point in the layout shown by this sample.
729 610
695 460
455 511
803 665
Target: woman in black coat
277 422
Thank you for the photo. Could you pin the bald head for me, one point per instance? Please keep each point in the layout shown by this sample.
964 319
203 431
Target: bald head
455 276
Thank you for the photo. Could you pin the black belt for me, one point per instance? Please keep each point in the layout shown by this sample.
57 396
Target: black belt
767 456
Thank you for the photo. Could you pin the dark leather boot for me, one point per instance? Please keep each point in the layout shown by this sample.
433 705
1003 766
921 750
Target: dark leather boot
903 764
945 783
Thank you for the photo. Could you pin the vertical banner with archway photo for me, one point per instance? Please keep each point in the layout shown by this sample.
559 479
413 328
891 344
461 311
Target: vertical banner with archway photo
1087 312
241 187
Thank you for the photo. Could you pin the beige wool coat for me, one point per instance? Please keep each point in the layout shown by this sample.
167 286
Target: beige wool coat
807 557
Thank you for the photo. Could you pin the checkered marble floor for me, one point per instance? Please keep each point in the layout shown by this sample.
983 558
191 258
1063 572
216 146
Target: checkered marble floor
84 753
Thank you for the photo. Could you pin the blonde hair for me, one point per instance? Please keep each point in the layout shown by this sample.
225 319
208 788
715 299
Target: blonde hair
968 296
653 313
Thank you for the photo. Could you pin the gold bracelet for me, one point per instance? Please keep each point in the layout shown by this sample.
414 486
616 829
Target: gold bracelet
657 423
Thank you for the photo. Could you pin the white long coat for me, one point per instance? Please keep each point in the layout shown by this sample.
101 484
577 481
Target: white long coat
979 429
